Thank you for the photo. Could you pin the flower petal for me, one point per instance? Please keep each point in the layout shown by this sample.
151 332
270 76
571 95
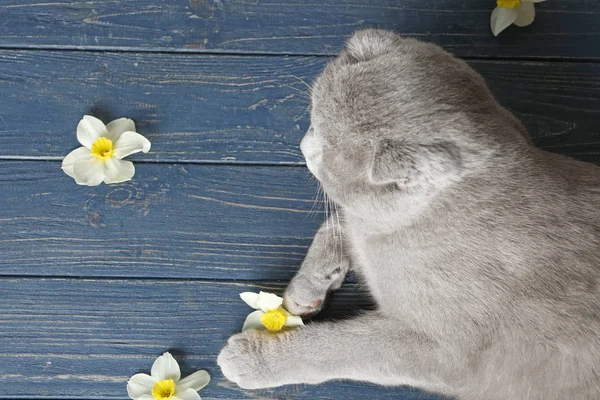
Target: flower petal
118 170
118 126
250 299
501 19
81 153
195 381
89 129
146 397
89 172
253 321
293 321
129 143
166 367
140 384
525 14
532 1
189 394
268 301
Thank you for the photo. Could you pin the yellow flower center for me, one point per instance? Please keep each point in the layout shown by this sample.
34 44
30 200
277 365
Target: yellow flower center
274 319
164 390
508 3
102 148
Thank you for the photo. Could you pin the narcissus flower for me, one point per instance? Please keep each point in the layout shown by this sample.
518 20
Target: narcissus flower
518 12
269 313
104 146
163 382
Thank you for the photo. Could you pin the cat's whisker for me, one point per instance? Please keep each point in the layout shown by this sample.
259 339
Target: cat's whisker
327 213
305 95
303 81
335 224
316 200
339 230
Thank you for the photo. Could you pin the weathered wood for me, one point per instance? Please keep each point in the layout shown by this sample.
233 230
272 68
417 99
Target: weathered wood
85 338
178 221
200 234
192 108
244 109
561 29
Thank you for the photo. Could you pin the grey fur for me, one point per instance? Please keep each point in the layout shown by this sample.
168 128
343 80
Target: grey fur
481 251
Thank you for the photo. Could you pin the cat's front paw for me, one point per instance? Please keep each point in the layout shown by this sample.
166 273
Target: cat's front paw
247 359
305 297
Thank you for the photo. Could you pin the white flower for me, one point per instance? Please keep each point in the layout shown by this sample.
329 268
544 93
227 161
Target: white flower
100 158
269 314
163 382
518 12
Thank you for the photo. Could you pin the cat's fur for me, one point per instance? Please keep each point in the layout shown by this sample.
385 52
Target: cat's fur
481 251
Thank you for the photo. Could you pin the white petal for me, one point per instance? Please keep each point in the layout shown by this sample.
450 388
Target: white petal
81 153
90 129
525 14
250 299
268 301
146 397
129 143
293 321
165 367
532 1
118 126
189 394
501 19
195 381
140 384
118 170
253 321
89 172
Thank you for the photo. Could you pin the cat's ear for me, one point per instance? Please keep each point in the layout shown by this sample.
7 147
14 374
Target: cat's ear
409 165
367 44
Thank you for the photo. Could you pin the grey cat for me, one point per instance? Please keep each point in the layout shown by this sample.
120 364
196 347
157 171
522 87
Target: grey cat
481 251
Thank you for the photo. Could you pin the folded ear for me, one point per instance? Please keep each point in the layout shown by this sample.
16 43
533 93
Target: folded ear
367 44
409 165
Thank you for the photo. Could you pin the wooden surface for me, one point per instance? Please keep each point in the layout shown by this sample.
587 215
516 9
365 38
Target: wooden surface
565 29
86 337
97 282
183 221
236 109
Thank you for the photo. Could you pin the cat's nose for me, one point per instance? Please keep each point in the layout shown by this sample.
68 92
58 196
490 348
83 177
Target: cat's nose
312 151
310 146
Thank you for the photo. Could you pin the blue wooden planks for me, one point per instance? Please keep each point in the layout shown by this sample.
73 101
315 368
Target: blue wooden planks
232 109
96 282
193 108
85 338
562 29
184 221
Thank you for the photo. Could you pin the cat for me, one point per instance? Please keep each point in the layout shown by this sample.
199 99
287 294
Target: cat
481 251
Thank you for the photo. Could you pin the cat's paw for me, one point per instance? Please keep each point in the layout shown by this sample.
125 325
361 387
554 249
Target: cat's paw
305 297
247 359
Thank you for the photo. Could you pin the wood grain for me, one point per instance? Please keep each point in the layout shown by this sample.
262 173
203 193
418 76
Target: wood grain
97 282
178 221
231 109
562 28
85 338
192 108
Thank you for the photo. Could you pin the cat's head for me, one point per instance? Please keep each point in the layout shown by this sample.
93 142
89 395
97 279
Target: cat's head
392 117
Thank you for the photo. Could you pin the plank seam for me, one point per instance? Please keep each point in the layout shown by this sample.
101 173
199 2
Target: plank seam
41 397
171 162
163 50
127 278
